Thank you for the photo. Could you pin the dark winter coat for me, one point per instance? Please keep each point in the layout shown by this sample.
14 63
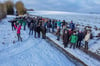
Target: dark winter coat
38 28
35 26
80 36
70 33
31 26
72 26
65 37
43 29
49 25
53 24
58 32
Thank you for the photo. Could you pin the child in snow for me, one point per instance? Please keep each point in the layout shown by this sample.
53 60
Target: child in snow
18 28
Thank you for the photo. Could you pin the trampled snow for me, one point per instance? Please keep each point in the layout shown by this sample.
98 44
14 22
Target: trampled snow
92 20
29 52
76 52
37 52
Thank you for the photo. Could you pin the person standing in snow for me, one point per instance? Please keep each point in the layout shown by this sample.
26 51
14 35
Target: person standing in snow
70 32
48 26
12 24
53 25
80 38
18 28
38 29
31 28
58 33
24 24
73 40
65 38
86 39
72 25
59 24
43 30
63 23
35 29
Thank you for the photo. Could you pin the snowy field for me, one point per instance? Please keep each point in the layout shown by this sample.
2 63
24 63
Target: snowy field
92 20
30 52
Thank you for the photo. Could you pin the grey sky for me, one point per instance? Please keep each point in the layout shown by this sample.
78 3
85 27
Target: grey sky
64 5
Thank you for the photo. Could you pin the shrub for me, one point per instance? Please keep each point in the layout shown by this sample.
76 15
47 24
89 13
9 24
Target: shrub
9 7
2 11
20 8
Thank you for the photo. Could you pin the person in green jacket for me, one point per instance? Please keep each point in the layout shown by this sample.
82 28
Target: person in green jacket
73 40
20 21
59 23
24 24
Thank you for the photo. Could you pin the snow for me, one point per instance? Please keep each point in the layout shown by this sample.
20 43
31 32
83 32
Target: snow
38 52
30 52
77 53
78 18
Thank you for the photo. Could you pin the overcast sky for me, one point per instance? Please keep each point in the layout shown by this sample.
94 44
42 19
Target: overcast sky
64 5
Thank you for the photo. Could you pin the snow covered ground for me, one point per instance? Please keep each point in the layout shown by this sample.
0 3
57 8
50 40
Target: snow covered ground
76 52
92 20
30 52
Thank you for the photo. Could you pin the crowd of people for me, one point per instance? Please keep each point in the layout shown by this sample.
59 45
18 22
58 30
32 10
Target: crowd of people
69 33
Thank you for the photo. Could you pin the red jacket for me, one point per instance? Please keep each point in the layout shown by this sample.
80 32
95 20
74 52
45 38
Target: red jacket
70 33
18 29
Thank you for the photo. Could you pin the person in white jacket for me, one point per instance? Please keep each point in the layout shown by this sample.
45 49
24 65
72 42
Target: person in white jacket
86 39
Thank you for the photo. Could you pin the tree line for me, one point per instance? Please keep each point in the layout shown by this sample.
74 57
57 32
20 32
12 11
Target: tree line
7 8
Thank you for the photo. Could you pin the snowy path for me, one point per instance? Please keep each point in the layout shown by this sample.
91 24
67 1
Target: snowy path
30 52
77 53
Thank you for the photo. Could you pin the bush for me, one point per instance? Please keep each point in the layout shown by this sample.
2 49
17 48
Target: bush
20 8
2 10
9 7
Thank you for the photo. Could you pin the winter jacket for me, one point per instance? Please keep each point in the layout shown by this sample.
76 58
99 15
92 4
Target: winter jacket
73 39
70 32
24 23
53 24
65 37
72 25
87 37
38 29
80 36
49 25
18 29
43 29
59 24
35 27
58 32
31 26
45 24
20 21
